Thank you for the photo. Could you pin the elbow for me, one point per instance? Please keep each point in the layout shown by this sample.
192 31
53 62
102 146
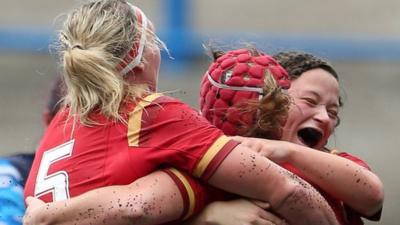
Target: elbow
300 194
373 201
286 193
290 188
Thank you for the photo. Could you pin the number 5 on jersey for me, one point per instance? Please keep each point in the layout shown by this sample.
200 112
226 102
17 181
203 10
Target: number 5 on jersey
56 183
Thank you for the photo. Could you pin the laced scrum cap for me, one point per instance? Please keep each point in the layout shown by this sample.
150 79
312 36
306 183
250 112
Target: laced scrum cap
233 78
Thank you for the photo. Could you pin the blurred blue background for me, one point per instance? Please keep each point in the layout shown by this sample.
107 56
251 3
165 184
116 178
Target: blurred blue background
361 38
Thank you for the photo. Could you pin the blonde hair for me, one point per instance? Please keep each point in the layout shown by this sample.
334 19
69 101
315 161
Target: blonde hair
95 39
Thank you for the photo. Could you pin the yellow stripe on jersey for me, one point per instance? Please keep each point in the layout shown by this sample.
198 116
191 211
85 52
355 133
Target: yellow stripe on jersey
189 191
135 119
209 155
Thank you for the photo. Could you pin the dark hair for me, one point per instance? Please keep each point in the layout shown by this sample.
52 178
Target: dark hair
57 92
296 63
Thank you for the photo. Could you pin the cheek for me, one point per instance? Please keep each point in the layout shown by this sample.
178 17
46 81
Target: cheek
157 57
298 113
332 127
293 115
154 59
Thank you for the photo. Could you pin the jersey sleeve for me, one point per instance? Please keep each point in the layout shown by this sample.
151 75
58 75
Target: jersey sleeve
176 135
195 193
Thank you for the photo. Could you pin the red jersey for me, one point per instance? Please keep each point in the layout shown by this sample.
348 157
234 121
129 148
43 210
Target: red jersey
197 195
160 131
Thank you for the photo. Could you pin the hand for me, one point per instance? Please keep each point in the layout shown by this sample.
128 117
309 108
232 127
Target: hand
34 212
277 151
241 212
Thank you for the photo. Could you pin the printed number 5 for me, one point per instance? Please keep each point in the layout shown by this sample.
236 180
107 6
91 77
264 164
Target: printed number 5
56 183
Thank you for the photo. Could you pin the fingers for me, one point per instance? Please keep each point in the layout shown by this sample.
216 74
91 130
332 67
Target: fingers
32 201
33 204
261 204
29 200
266 217
267 222
254 144
271 218
26 218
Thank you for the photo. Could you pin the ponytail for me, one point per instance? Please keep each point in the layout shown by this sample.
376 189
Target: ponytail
93 83
92 49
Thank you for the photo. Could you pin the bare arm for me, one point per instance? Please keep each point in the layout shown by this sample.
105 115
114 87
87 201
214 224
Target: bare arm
249 174
355 185
137 204
146 201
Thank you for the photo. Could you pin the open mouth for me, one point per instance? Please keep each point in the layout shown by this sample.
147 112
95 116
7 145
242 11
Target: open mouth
310 136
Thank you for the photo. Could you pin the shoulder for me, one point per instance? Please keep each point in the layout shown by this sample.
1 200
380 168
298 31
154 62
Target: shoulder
162 100
159 104
152 100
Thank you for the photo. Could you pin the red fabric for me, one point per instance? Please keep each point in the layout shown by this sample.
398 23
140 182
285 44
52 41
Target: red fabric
236 68
101 155
203 194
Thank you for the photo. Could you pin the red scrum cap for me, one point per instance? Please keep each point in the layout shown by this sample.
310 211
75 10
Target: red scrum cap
233 78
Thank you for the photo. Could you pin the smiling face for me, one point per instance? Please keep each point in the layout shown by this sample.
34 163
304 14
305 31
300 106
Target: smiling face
314 112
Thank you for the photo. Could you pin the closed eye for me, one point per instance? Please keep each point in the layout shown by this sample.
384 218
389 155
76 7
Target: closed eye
310 101
333 114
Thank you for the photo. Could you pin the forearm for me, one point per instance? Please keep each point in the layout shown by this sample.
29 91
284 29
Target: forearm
259 178
101 206
146 201
355 185
305 204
